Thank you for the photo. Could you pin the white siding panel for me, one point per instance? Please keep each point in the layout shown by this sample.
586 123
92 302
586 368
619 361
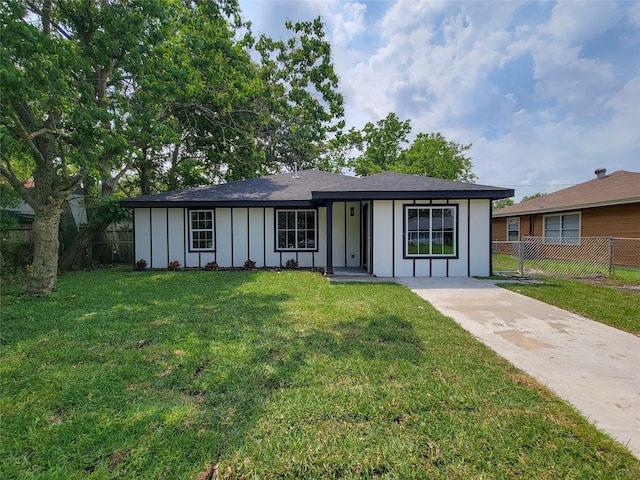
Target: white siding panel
479 250
423 268
256 236
159 240
321 255
439 268
273 257
459 266
223 237
382 235
177 245
338 234
402 267
142 228
240 236
305 259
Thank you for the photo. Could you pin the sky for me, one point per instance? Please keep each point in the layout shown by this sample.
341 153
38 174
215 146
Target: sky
546 92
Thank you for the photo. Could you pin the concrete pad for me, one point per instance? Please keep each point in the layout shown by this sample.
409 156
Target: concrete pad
594 367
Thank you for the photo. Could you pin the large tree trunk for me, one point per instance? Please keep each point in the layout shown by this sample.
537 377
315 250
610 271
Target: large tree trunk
44 269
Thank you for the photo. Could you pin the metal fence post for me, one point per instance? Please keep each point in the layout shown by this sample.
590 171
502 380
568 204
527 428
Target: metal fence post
521 259
610 255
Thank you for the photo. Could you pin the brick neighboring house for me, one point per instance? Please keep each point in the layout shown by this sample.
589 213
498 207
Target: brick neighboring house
607 206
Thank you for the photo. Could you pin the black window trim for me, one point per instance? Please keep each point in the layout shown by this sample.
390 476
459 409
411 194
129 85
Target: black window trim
275 229
407 255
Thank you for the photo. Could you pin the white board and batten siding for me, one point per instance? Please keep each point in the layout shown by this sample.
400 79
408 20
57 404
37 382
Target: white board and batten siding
241 233
473 246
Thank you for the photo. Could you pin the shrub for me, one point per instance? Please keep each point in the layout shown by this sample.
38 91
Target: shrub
175 265
249 264
211 266
140 265
292 263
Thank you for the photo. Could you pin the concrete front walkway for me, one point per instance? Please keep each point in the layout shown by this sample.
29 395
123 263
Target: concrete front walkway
594 367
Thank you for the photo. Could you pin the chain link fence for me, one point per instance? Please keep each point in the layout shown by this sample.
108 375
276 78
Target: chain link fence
583 257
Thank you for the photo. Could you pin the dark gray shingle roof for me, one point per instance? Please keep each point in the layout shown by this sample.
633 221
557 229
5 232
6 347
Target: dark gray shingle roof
314 186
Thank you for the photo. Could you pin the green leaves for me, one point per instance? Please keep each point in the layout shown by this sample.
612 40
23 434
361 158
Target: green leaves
430 155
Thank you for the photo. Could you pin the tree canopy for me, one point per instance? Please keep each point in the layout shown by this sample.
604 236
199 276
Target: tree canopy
92 90
431 155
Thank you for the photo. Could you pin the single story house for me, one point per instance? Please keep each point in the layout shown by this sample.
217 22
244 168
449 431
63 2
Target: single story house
607 206
388 224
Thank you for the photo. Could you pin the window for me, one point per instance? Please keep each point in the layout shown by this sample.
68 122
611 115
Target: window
201 229
513 229
430 231
562 229
296 230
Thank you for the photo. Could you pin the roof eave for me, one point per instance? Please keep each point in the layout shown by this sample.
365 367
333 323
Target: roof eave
566 208
215 203
412 195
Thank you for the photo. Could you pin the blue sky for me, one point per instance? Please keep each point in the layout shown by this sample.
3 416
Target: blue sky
546 92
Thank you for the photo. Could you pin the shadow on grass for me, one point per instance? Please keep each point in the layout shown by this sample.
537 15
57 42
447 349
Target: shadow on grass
158 374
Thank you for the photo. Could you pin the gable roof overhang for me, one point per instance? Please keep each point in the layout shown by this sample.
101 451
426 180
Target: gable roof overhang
617 188
312 188
568 208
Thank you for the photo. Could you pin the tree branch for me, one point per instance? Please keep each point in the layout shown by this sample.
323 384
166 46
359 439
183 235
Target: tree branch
27 138
7 172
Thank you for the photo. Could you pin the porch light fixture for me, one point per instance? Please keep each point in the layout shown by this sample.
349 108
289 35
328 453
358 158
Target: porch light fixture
352 212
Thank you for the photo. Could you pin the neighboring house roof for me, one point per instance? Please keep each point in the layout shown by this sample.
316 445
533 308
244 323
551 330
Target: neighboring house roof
617 188
314 186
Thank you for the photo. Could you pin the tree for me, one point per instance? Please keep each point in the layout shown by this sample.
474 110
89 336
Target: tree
80 93
432 155
380 145
501 203
301 106
531 197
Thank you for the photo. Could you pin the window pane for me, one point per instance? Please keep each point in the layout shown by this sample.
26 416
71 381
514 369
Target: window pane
552 223
291 219
291 239
570 221
311 220
282 239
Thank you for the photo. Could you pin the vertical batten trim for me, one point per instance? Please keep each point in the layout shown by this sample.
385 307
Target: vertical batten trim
469 238
150 237
248 235
231 219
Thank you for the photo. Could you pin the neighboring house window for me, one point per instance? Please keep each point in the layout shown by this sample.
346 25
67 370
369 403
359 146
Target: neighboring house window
201 229
430 231
562 228
513 229
296 230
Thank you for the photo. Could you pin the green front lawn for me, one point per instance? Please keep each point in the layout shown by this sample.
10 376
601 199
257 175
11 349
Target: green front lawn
123 374
616 307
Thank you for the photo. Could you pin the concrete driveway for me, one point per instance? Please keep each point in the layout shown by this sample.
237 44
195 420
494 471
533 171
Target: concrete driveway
594 367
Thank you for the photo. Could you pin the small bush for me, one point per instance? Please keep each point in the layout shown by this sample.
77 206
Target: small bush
140 265
175 265
249 264
211 266
292 263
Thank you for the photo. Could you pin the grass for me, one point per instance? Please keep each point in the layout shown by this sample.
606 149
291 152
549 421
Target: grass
123 374
616 307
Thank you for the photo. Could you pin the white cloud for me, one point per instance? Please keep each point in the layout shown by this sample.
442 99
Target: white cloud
348 23
531 85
